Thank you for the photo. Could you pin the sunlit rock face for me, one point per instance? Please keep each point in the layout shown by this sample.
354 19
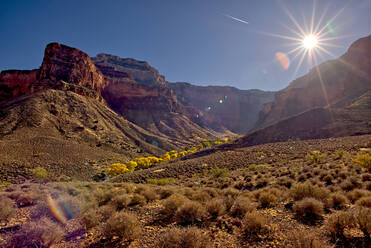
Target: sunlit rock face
235 109
333 82
63 68
116 67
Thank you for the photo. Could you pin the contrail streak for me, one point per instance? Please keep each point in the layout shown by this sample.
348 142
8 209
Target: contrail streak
236 19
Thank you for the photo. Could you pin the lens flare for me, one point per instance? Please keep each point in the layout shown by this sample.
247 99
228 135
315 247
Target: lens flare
310 41
60 209
283 60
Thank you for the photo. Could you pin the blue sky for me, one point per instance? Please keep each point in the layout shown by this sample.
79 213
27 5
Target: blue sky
190 41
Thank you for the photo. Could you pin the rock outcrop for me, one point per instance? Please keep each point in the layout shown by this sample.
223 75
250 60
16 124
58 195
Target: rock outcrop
116 67
14 83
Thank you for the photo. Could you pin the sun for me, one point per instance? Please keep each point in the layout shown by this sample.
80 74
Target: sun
310 41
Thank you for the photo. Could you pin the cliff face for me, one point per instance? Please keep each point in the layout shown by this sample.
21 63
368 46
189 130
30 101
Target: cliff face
235 109
14 83
332 83
116 67
63 68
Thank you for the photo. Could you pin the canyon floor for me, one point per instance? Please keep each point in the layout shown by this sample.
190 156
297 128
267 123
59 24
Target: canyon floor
313 193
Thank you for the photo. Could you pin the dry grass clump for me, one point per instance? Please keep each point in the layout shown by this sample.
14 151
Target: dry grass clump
8 208
190 213
216 207
338 222
25 199
241 206
172 204
41 233
138 199
308 210
304 190
301 239
183 238
364 202
121 201
337 201
267 199
91 218
123 225
356 194
254 225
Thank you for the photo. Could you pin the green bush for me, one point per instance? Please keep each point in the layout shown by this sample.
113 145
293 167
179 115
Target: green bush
39 173
161 181
219 172
364 160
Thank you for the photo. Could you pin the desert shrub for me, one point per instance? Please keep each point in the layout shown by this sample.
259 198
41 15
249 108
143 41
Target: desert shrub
338 222
121 201
308 210
366 177
348 185
92 218
41 233
219 172
183 238
367 186
172 204
165 192
24 199
39 173
337 201
364 201
363 218
138 199
201 196
356 194
315 157
301 239
7 208
123 225
216 207
259 167
364 160
340 154
190 212
161 181
103 196
106 211
230 192
303 190
149 194
254 225
285 181
241 206
117 169
267 199
261 183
